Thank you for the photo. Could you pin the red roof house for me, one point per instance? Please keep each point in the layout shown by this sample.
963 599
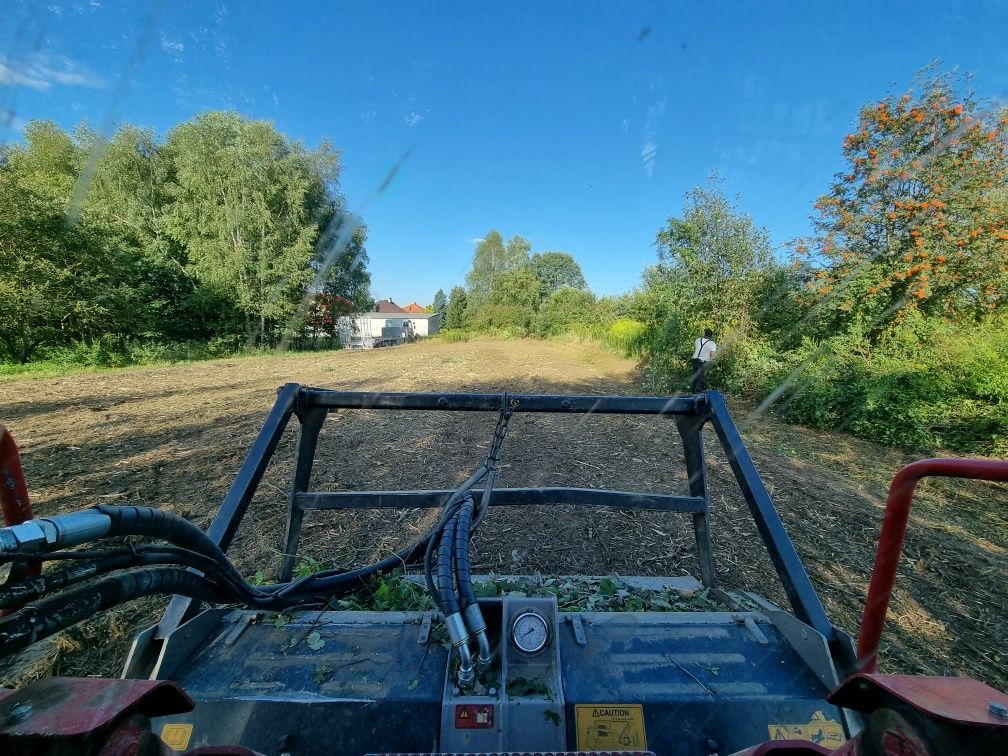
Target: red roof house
387 305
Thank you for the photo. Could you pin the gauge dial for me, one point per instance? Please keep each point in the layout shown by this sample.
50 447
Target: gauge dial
530 632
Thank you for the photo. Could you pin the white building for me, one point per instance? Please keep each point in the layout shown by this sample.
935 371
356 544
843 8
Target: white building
371 329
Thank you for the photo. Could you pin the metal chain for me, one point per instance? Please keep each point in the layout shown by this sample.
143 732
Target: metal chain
500 432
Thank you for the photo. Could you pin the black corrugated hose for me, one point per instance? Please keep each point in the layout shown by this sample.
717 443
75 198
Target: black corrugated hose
462 576
447 599
89 564
168 526
33 623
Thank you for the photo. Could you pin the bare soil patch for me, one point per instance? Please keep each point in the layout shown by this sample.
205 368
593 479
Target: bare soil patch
174 437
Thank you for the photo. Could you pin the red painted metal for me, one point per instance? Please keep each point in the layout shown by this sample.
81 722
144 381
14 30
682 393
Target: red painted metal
786 748
14 502
959 700
65 714
133 737
890 546
71 707
13 491
910 716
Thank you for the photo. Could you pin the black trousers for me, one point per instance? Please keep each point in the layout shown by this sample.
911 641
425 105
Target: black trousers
697 383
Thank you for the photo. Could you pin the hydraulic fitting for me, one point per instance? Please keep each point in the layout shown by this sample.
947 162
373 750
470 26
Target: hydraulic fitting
460 640
456 627
474 621
29 537
51 533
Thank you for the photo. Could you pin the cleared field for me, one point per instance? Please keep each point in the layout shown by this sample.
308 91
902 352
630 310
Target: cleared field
173 437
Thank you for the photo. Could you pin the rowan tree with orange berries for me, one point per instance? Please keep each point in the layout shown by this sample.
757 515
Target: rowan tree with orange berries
919 220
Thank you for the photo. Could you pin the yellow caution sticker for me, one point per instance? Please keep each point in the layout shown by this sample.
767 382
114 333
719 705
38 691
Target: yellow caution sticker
177 736
610 727
819 730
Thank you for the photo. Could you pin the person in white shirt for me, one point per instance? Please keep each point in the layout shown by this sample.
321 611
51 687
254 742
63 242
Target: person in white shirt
704 350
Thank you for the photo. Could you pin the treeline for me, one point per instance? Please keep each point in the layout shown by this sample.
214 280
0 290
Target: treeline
888 323
512 290
222 233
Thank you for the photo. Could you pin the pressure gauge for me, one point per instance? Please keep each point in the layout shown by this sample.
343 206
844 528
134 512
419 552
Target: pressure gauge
530 632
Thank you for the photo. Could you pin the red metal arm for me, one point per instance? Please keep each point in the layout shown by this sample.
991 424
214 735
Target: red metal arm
13 491
890 547
14 503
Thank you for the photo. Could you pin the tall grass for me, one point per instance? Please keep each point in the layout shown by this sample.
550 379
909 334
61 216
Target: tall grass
624 335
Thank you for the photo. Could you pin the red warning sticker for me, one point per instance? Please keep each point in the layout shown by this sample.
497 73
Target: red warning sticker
473 716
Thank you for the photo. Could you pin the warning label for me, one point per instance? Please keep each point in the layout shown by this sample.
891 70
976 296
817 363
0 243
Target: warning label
176 736
610 727
822 731
474 716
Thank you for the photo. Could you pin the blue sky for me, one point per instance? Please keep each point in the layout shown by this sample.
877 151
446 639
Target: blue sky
579 125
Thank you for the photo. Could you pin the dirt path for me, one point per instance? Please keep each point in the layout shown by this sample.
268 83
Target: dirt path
173 437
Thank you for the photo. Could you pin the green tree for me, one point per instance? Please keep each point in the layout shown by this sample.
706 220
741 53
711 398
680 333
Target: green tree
556 270
564 308
346 281
440 301
713 269
59 283
918 220
248 207
456 314
512 302
492 260
128 195
712 261
49 162
219 230
519 287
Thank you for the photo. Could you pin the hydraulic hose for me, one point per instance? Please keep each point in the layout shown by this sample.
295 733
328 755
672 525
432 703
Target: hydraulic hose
167 526
88 565
46 535
485 498
471 613
33 623
332 582
451 507
463 576
196 550
447 600
17 593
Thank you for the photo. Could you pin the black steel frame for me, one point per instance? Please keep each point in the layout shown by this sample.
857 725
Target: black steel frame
690 413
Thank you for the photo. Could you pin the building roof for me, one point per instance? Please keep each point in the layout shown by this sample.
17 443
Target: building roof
403 315
414 307
387 305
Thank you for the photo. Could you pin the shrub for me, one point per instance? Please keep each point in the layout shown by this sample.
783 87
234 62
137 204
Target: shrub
563 309
628 335
508 319
744 363
453 335
926 386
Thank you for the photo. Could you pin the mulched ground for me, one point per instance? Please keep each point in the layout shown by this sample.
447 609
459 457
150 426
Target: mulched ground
173 437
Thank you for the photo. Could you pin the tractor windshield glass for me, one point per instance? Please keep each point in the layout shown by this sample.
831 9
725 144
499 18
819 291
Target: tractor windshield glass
801 209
